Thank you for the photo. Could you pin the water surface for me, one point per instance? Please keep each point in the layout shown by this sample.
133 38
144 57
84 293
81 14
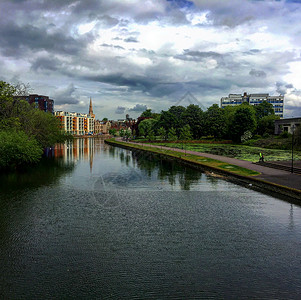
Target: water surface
99 222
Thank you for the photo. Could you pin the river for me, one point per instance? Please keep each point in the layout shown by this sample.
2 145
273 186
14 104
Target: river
98 222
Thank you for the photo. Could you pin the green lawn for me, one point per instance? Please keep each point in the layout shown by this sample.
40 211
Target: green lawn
238 151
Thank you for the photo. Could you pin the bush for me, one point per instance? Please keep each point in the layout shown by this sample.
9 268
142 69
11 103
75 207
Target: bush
16 149
284 135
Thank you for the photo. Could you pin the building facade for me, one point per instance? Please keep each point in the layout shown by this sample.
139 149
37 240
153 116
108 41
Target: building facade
102 127
39 101
287 125
255 99
76 123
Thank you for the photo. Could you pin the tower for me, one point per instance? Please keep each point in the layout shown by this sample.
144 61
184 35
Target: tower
91 109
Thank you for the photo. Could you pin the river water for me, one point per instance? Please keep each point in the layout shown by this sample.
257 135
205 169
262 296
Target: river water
98 222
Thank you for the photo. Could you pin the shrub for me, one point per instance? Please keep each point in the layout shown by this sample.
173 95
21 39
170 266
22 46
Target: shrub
16 149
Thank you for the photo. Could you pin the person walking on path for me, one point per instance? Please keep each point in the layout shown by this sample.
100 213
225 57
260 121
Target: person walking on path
261 157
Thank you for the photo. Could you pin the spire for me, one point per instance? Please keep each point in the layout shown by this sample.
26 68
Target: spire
91 109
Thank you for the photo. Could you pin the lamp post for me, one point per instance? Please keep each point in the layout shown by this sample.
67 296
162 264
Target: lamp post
293 131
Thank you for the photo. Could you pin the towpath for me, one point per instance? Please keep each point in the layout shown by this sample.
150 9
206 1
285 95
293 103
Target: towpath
276 176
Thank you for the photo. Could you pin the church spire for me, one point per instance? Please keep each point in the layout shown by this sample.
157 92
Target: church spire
91 109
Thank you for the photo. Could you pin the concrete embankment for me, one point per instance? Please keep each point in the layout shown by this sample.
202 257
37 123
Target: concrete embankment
276 182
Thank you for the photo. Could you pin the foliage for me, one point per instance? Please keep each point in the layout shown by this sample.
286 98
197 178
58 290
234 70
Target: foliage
147 113
172 134
264 109
162 133
146 126
267 124
185 133
112 131
246 136
104 119
243 120
121 132
194 117
35 128
16 149
214 121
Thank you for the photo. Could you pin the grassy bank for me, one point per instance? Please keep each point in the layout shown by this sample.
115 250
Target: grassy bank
199 160
248 153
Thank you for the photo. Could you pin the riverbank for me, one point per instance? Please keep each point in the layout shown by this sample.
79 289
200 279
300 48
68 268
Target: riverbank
243 172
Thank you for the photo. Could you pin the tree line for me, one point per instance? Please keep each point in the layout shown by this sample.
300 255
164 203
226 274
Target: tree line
235 123
24 130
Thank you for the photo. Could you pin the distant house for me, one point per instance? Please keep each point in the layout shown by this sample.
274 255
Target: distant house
286 125
101 127
39 101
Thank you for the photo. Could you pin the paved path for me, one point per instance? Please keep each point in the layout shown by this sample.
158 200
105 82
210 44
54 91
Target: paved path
281 177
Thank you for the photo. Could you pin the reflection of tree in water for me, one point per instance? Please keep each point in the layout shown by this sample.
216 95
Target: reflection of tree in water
112 151
167 169
47 172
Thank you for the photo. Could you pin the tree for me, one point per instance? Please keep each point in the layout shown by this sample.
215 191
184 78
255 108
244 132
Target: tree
113 131
267 124
172 134
194 117
264 109
146 114
162 133
244 120
121 133
185 133
214 121
105 120
146 126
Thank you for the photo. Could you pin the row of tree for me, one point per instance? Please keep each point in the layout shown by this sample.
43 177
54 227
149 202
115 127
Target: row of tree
24 130
232 122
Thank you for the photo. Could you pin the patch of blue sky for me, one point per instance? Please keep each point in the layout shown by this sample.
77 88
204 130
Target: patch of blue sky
182 3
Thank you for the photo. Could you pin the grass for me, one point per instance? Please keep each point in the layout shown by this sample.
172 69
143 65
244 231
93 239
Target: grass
202 161
242 152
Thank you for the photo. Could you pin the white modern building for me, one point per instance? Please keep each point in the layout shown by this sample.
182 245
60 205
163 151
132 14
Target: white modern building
76 123
255 99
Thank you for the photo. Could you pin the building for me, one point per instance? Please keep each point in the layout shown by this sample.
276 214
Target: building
287 125
102 127
75 123
254 99
39 101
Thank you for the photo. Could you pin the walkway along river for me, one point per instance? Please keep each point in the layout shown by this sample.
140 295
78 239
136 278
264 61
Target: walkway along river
100 222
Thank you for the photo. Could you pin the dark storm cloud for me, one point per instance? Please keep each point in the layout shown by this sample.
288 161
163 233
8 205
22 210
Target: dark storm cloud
120 110
15 40
46 63
138 108
65 96
257 73
198 55
131 40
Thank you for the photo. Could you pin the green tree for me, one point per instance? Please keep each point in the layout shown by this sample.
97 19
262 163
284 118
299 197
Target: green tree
146 114
267 124
194 117
17 149
121 133
146 126
105 120
112 131
264 109
214 121
162 133
172 134
244 120
185 133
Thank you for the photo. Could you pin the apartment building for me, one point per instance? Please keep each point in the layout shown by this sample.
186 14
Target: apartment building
76 123
39 101
255 99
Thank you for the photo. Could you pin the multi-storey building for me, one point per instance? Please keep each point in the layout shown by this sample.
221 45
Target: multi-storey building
76 123
40 102
255 99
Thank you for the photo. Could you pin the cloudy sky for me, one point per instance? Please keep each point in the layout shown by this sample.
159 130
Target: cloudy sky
129 55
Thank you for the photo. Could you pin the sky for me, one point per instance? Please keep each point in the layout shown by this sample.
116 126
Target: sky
130 55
